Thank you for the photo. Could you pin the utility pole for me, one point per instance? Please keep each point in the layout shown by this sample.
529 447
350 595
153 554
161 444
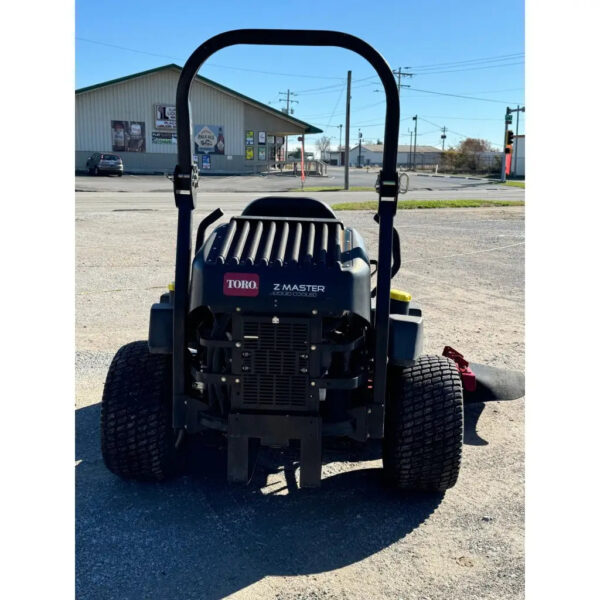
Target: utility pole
410 150
416 120
519 109
444 129
359 148
340 146
286 110
347 152
400 75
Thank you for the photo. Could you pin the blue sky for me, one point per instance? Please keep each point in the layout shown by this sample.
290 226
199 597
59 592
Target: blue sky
465 48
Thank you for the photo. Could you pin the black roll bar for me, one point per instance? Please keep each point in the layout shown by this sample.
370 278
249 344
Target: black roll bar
185 189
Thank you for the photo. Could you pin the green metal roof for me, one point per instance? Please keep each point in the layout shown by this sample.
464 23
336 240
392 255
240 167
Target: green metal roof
308 128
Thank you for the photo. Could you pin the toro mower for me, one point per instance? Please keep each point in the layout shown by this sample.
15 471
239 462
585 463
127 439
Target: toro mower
274 333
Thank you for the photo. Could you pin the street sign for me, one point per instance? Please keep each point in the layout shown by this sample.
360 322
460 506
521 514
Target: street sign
508 119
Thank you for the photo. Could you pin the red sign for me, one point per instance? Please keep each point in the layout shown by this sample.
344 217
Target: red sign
302 175
240 284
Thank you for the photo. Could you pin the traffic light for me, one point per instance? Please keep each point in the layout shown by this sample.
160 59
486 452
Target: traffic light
509 140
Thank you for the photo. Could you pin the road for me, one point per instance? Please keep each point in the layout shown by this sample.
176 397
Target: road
198 537
419 183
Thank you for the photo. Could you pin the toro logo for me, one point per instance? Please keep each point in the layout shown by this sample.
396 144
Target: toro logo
240 284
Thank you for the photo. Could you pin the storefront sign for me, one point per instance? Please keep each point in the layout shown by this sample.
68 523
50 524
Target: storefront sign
128 136
249 138
164 117
162 137
262 137
209 139
206 161
249 152
262 153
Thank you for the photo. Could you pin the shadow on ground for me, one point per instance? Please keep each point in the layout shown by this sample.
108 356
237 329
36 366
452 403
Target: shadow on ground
472 413
199 537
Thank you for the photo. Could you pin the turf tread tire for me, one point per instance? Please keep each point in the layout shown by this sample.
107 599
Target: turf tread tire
137 438
424 425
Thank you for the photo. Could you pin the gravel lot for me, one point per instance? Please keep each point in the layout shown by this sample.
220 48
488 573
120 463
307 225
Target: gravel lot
198 537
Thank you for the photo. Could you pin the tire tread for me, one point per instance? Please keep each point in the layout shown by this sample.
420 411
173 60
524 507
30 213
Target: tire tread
424 425
137 438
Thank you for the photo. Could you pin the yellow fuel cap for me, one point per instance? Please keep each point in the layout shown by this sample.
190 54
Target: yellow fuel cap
171 286
400 295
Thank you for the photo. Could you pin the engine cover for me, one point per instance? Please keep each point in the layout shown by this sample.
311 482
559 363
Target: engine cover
282 265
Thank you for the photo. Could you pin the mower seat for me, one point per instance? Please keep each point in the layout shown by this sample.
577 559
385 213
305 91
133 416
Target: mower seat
281 206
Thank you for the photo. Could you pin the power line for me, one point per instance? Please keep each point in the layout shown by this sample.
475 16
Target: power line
466 118
471 69
353 110
215 65
365 125
335 107
128 49
496 57
431 66
412 89
434 124
334 86
472 63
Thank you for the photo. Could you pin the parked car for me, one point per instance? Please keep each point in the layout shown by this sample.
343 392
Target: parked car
99 163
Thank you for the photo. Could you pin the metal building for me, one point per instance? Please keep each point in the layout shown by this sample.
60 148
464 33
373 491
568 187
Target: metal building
372 154
134 117
518 156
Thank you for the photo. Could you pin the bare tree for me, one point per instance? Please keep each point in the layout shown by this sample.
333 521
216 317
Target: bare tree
324 144
473 145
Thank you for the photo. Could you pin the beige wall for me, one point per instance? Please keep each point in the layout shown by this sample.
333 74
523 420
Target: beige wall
135 99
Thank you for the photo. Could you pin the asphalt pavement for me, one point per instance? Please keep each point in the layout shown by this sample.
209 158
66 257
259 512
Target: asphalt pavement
418 182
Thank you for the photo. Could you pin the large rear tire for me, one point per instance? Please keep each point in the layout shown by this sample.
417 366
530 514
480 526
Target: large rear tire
137 437
424 425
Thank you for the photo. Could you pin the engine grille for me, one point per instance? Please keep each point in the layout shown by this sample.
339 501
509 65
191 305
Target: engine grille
274 365
263 241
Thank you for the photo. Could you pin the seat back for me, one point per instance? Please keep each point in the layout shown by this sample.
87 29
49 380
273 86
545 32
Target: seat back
289 206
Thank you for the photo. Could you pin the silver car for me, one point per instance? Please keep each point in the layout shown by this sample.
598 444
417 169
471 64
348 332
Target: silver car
100 162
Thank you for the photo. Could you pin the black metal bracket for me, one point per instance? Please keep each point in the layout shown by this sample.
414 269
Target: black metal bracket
388 187
215 215
341 383
274 430
184 186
